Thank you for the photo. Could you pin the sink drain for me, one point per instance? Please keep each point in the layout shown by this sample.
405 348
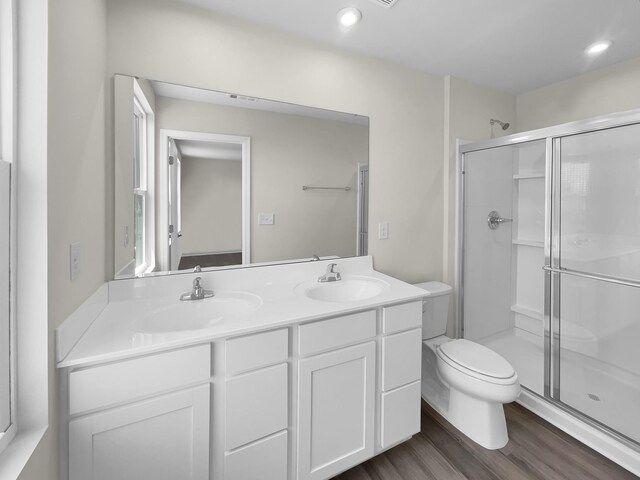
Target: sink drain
593 397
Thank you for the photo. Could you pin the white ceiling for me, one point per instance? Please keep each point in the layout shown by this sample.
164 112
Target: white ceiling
511 45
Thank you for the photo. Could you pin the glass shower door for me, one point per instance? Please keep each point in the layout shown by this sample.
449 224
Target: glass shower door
595 260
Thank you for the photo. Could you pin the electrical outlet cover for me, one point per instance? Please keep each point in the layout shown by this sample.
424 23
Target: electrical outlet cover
383 230
75 259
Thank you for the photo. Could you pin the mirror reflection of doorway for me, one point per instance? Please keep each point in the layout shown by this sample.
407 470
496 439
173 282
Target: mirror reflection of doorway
205 200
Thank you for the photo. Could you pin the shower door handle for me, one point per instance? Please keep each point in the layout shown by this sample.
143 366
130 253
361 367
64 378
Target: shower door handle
494 220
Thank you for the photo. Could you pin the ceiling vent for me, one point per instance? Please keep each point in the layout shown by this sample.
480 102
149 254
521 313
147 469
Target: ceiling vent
385 3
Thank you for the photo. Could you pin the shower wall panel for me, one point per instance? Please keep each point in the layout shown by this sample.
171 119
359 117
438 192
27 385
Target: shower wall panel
487 269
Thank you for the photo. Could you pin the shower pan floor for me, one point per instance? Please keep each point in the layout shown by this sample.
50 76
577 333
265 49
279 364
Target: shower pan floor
525 351
599 390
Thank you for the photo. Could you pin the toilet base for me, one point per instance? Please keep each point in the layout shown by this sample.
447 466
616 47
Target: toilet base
480 420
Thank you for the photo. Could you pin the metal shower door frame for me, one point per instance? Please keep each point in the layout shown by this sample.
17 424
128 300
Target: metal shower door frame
552 269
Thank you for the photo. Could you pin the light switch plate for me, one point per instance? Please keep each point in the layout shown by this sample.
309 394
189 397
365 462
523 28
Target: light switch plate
75 257
265 219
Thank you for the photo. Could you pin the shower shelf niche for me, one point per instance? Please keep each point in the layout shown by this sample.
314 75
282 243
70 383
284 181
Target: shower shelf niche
527 296
528 176
529 312
528 243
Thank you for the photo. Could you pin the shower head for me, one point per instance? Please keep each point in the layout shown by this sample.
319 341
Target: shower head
502 124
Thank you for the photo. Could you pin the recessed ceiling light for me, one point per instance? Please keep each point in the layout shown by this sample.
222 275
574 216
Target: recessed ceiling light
349 16
598 47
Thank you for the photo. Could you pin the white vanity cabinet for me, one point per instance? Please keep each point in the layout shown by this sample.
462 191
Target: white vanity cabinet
336 395
296 400
124 424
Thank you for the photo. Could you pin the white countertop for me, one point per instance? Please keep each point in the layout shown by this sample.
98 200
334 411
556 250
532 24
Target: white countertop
115 334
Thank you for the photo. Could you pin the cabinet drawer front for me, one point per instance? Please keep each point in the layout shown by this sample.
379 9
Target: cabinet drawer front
256 405
401 317
336 332
401 359
256 351
164 438
100 387
400 414
266 459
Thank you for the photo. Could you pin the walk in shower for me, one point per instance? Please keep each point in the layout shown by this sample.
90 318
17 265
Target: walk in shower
549 264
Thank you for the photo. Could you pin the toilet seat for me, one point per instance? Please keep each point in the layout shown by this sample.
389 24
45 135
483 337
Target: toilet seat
477 361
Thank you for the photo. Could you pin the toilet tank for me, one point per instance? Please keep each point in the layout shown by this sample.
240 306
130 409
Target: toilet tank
435 309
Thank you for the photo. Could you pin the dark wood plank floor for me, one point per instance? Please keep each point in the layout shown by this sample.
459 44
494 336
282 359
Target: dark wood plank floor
210 260
536 450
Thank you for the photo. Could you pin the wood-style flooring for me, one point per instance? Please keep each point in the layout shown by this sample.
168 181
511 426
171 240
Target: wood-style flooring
210 260
536 450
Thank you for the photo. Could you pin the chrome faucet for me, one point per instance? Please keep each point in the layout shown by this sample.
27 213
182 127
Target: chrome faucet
198 293
331 275
315 258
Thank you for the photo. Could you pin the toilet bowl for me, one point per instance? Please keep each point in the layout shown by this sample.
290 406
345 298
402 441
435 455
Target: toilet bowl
467 383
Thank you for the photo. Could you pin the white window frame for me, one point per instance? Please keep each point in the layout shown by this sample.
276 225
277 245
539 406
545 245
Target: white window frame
24 34
7 145
143 110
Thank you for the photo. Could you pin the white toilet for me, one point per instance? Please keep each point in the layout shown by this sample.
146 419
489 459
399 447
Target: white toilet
465 382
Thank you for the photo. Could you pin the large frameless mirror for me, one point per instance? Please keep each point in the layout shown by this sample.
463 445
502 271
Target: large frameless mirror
217 179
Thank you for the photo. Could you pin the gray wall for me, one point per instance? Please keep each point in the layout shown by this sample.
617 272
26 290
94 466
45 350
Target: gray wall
211 205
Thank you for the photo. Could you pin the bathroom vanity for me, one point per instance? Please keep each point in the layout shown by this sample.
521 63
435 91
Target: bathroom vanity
278 377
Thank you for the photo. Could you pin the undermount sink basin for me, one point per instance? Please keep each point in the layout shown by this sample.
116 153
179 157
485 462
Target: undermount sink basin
349 289
198 314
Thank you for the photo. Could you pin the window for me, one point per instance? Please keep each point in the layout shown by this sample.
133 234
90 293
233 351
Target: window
7 425
23 145
139 185
7 102
143 221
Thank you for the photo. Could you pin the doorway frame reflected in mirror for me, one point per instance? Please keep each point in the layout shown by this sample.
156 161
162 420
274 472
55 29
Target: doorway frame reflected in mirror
163 255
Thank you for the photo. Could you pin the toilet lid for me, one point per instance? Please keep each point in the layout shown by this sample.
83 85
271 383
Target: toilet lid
477 358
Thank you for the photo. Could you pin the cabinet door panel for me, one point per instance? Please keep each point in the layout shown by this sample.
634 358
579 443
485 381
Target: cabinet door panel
164 438
336 411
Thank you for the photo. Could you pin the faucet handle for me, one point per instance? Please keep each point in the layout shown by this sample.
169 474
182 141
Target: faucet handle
197 269
331 275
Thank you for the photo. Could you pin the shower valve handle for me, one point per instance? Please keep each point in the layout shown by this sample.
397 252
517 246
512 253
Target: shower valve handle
494 220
